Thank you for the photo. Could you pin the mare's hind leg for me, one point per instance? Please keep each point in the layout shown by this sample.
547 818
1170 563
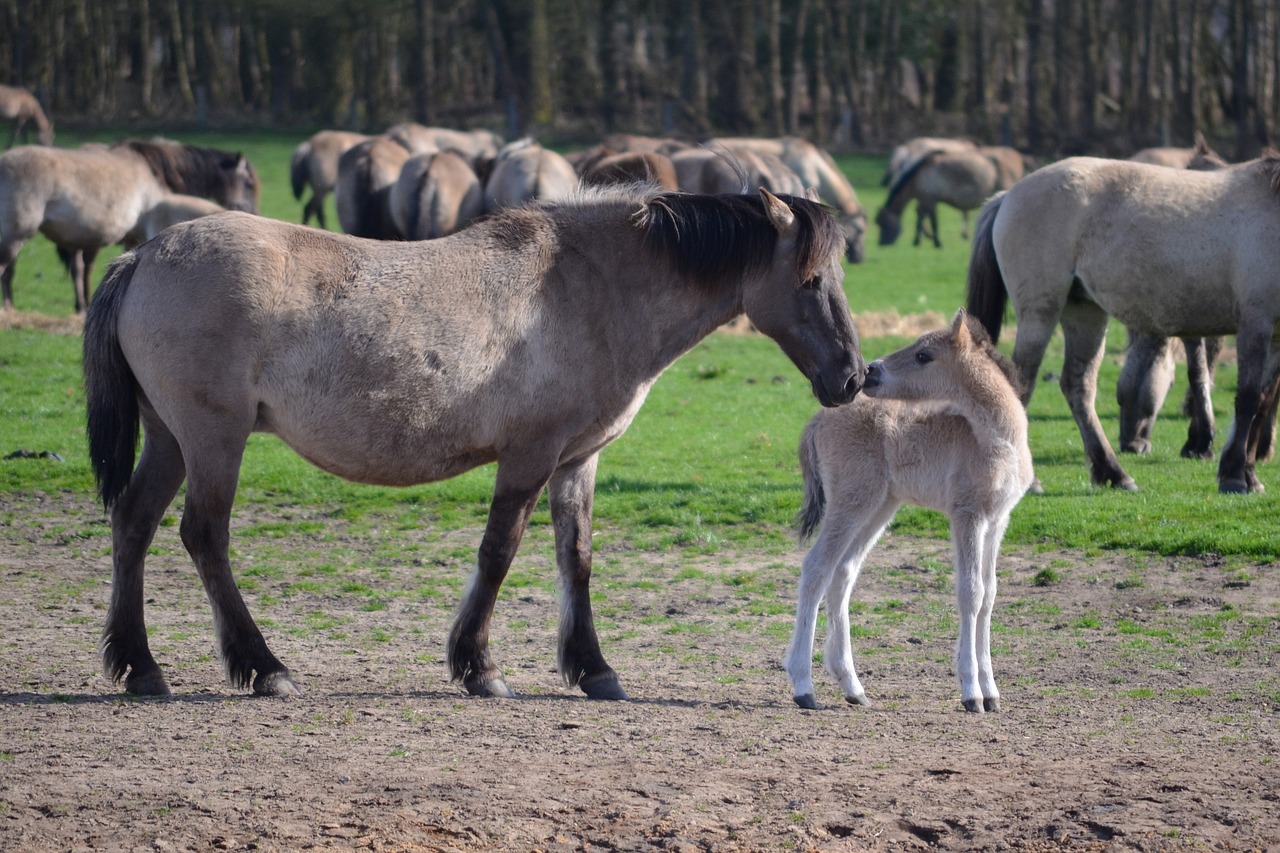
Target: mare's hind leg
134 518
1144 383
579 656
1202 355
1084 327
213 465
8 261
1257 370
515 495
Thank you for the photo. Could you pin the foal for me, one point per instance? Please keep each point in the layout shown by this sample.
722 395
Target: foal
947 432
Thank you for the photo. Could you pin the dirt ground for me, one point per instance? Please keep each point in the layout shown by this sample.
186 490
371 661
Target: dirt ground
1141 706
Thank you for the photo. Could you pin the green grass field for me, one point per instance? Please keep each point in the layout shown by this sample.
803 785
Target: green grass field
711 457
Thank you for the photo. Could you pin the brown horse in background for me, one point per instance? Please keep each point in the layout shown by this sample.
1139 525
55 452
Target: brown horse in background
524 171
530 339
315 164
86 198
435 195
20 107
963 178
630 167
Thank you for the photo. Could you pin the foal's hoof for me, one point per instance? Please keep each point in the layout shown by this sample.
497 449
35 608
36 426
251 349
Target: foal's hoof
278 683
974 706
493 687
806 701
859 699
991 706
604 685
147 684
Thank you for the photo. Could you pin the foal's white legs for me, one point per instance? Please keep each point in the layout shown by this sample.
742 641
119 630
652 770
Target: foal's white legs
830 571
976 542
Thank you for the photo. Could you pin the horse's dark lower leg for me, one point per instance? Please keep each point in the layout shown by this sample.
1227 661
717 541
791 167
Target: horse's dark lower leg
1084 327
205 529
314 207
1202 355
581 661
468 646
1235 468
84 280
1144 382
134 519
8 260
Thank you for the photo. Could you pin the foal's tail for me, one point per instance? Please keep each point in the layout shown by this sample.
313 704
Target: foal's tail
815 501
988 297
111 391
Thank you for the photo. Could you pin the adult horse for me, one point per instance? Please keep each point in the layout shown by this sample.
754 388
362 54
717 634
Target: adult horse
963 179
1165 251
416 138
524 171
816 168
315 164
435 195
21 107
630 167
707 170
529 339
86 198
913 149
366 173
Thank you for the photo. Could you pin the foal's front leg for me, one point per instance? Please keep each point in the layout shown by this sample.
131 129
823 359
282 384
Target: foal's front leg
580 659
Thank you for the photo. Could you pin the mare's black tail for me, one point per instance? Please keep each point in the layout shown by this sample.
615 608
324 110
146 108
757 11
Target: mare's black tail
988 298
111 391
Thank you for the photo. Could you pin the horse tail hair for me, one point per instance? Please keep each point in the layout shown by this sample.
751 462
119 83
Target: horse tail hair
815 500
987 296
298 170
111 390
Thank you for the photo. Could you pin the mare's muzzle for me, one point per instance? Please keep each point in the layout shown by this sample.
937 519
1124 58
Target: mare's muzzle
839 384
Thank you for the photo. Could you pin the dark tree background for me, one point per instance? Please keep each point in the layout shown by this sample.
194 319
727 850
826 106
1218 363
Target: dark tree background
1050 76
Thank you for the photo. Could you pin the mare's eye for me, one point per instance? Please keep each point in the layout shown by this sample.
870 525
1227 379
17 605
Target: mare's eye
924 357
811 283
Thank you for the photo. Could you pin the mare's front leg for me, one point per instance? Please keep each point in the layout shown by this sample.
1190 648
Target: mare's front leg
515 495
581 662
213 466
1084 327
134 519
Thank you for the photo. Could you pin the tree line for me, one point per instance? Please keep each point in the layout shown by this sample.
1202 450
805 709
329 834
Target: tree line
1052 77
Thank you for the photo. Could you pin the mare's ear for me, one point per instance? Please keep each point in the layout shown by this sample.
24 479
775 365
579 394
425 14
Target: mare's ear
779 214
811 193
960 329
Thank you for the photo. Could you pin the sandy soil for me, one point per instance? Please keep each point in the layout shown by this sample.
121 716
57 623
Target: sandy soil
1141 706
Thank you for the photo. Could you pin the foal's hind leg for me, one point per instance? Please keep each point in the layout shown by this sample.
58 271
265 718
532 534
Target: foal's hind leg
134 518
580 659
213 463
838 649
975 595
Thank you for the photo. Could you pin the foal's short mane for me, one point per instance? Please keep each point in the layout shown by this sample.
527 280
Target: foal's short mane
720 238
983 340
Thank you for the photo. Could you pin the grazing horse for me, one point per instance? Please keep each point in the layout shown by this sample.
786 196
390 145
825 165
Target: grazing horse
529 339
20 107
963 179
86 198
1167 252
315 164
816 168
913 149
705 170
366 173
435 195
940 425
524 171
168 211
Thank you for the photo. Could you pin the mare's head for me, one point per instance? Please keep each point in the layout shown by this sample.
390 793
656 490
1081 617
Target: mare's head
222 176
783 255
941 365
233 181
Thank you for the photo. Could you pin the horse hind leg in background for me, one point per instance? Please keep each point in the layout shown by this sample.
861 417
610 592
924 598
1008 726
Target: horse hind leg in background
862 461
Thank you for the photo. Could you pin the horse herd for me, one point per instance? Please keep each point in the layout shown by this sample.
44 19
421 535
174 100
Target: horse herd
477 327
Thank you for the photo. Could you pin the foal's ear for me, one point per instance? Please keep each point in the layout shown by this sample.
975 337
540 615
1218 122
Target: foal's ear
779 214
811 193
960 329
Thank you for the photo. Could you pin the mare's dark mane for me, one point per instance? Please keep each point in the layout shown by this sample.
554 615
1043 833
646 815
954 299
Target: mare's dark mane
189 169
718 239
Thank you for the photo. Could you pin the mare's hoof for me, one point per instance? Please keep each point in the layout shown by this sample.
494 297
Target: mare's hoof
1140 446
147 684
991 705
604 685
806 701
493 687
1189 452
1233 487
278 683
860 699
974 706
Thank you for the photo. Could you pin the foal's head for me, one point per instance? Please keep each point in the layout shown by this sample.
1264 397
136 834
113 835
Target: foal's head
942 365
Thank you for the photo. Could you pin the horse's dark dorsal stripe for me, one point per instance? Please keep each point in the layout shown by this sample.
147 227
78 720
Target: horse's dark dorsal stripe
720 238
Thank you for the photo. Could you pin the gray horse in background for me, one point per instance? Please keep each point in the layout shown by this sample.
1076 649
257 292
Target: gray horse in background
21 107
435 195
366 173
315 165
524 171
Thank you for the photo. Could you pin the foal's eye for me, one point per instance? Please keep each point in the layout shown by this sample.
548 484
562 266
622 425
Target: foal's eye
924 357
